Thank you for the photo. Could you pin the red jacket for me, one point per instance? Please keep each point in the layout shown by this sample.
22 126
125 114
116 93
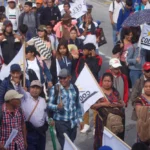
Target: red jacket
126 91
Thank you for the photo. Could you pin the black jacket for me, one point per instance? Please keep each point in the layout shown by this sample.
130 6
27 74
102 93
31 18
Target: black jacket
9 48
48 14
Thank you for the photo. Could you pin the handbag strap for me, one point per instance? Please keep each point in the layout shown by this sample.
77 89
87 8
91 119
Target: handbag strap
33 110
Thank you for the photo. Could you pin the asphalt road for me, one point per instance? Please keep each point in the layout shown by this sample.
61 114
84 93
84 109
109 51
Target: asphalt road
85 141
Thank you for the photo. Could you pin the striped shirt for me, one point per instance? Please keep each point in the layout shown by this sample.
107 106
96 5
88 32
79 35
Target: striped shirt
41 46
71 108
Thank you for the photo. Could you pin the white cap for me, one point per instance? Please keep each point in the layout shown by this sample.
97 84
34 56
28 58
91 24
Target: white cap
115 63
34 5
11 1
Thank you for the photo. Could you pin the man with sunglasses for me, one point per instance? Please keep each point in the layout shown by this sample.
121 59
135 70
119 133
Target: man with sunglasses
66 108
138 87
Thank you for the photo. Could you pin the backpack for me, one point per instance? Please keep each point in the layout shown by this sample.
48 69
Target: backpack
56 94
112 119
123 9
114 123
143 123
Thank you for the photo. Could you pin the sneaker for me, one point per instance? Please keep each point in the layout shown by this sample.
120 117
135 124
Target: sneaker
85 129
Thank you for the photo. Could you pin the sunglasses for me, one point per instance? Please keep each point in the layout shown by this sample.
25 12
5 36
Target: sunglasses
62 78
147 71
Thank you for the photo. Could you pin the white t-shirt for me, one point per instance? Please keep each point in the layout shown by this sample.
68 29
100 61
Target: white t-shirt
116 9
34 66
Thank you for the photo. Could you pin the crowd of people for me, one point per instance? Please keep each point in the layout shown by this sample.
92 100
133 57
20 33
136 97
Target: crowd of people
56 48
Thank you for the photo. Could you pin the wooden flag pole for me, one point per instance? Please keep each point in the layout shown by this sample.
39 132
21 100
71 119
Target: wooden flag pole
24 64
117 138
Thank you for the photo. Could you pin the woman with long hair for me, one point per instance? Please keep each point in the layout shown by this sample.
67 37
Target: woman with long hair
111 103
62 60
42 45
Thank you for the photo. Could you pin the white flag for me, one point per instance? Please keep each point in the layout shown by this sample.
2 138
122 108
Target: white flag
18 59
78 8
145 37
110 139
69 145
89 89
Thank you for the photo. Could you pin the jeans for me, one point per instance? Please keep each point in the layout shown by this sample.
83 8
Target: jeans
115 38
134 75
65 127
36 141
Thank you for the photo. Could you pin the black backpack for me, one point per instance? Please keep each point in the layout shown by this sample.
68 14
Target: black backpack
56 93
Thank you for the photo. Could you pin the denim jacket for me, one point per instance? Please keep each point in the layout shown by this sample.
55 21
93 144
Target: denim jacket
133 53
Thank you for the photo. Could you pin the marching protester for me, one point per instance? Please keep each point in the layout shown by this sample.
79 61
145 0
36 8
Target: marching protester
138 87
39 5
29 18
42 44
123 14
144 4
10 43
12 13
66 9
62 60
14 118
94 63
63 28
141 106
111 103
37 69
66 107
120 80
52 37
34 108
50 14
13 81
114 10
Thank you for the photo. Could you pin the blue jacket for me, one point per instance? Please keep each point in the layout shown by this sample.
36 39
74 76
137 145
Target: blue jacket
123 15
45 71
7 85
133 53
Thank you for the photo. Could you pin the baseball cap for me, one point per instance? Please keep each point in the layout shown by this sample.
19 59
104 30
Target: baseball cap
15 67
64 73
36 83
11 1
39 1
12 94
115 63
146 66
105 148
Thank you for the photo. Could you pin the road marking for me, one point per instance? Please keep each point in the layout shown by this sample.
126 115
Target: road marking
108 57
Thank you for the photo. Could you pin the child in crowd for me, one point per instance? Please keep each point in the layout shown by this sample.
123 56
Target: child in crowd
52 37
94 63
62 60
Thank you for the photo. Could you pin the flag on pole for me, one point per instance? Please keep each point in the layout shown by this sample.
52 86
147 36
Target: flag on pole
110 139
18 59
69 145
89 90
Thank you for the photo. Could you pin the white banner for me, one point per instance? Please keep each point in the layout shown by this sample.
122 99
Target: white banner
110 139
18 59
145 37
69 145
78 8
89 89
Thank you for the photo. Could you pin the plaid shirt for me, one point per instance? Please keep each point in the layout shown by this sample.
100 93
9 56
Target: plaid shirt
71 110
10 122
